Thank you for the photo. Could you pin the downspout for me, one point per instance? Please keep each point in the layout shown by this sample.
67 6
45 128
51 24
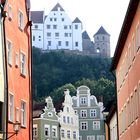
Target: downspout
4 15
117 105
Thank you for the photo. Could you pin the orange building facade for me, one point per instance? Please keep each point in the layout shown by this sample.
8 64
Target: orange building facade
16 28
126 65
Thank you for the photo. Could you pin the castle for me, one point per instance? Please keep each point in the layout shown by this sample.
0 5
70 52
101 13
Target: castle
56 31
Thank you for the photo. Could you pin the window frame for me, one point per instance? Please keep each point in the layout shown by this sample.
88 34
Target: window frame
23 113
22 63
20 19
11 107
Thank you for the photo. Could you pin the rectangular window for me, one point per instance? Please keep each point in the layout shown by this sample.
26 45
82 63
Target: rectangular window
76 26
17 114
16 60
22 64
20 20
11 107
83 100
65 26
64 119
48 26
74 135
76 44
9 52
66 34
49 43
84 125
96 125
33 38
62 133
56 34
54 26
55 19
90 137
69 26
93 113
100 137
62 19
47 130
67 43
68 134
50 19
49 34
23 113
10 14
54 131
68 119
69 34
83 113
35 130
59 43
36 26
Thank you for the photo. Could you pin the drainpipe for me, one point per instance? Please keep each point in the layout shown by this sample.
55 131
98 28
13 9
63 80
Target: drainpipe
4 15
116 104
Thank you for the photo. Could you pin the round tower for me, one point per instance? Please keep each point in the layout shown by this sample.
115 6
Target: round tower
102 42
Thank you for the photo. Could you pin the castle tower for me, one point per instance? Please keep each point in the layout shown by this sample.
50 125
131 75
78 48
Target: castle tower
102 42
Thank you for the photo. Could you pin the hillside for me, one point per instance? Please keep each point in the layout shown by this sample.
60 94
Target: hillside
54 71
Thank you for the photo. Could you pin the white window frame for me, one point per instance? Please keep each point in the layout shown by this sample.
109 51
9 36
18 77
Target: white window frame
83 100
93 113
85 125
22 63
83 113
48 129
96 125
68 134
54 131
64 119
20 19
35 130
62 133
9 52
11 107
91 137
100 137
23 113
16 59
74 135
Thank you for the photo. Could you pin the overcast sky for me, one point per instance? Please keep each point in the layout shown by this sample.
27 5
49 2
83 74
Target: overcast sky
93 14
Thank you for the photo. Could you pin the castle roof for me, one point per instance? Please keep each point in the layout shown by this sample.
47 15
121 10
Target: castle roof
56 7
37 16
76 20
101 31
85 35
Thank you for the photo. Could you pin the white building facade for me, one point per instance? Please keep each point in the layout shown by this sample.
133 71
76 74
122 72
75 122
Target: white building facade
56 30
68 120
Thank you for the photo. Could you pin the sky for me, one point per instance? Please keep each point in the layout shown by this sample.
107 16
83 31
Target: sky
92 13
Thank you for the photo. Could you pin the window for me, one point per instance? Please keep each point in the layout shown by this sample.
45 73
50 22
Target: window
76 44
74 134
70 26
84 126
50 19
10 12
36 26
64 119
80 137
96 125
20 20
93 113
39 38
54 26
67 43
66 34
56 34
47 130
76 112
34 130
22 64
49 43
90 137
48 26
62 19
59 43
71 120
54 131
17 114
100 137
68 119
65 27
83 113
23 113
33 38
76 26
103 37
69 34
48 34
9 52
68 134
11 107
55 19
83 100
62 133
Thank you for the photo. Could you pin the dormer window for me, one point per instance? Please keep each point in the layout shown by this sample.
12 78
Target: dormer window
83 100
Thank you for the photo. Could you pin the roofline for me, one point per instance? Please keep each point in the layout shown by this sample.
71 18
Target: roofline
132 8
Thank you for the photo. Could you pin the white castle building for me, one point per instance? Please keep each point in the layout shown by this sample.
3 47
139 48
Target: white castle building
56 30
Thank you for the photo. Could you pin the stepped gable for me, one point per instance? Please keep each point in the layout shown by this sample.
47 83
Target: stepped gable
101 31
37 16
85 35
76 20
56 7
